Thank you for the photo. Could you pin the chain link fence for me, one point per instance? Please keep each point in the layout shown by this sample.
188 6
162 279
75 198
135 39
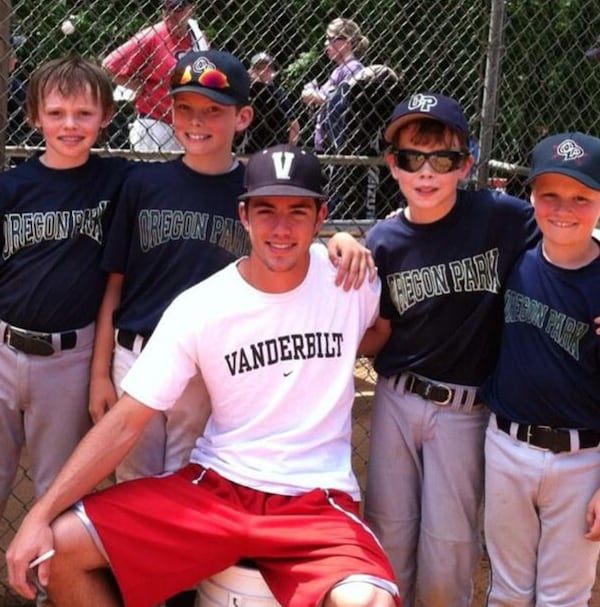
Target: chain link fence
518 67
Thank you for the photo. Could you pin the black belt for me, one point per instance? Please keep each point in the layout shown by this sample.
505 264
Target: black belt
127 339
40 344
557 440
436 392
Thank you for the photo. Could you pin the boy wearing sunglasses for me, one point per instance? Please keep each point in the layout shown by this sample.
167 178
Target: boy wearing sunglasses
442 262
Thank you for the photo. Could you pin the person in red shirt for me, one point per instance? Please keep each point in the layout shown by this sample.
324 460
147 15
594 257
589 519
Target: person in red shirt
144 64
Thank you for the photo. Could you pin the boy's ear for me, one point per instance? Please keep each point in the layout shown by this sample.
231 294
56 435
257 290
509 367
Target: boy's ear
32 121
532 197
244 117
389 158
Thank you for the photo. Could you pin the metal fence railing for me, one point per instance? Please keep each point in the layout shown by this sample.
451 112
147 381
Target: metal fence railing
519 68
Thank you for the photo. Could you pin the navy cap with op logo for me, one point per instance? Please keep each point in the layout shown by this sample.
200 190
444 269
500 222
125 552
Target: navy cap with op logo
217 75
427 105
284 170
575 155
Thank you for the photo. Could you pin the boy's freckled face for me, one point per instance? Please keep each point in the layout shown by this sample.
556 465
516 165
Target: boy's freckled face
566 210
430 195
70 126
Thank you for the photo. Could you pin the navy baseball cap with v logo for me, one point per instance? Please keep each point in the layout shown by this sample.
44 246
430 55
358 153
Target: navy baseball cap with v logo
284 170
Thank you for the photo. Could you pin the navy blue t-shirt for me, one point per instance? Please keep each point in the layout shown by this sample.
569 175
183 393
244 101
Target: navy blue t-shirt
173 228
54 223
442 283
548 372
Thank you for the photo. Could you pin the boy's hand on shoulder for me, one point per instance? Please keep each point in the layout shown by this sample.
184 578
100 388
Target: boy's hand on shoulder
102 397
353 261
592 518
597 321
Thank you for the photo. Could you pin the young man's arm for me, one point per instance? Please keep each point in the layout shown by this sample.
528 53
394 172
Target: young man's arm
374 338
103 394
96 456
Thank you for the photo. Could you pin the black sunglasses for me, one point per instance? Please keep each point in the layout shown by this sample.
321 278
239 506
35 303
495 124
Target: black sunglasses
441 161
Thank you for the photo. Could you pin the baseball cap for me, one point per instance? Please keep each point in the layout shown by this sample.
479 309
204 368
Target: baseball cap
283 170
595 50
215 74
427 105
261 58
575 155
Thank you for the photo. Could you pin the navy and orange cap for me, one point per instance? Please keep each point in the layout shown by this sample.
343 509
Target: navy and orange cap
214 74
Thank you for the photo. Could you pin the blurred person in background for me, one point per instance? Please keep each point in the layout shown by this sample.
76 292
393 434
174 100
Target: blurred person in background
144 64
274 120
344 43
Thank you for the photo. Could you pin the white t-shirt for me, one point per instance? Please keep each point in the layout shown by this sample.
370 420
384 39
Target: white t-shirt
279 371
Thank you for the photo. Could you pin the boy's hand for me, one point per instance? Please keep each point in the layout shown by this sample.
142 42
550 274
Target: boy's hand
592 518
353 261
102 397
597 321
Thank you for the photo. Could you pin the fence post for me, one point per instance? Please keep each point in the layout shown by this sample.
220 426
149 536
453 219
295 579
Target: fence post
5 52
490 88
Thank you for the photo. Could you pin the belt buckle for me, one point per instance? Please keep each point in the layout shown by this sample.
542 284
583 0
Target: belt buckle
529 436
430 386
29 343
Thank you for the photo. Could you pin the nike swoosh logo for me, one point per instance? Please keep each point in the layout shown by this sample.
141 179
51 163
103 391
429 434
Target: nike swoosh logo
288 373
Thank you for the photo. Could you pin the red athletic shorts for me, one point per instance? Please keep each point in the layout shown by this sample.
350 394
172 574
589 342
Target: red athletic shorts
165 534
